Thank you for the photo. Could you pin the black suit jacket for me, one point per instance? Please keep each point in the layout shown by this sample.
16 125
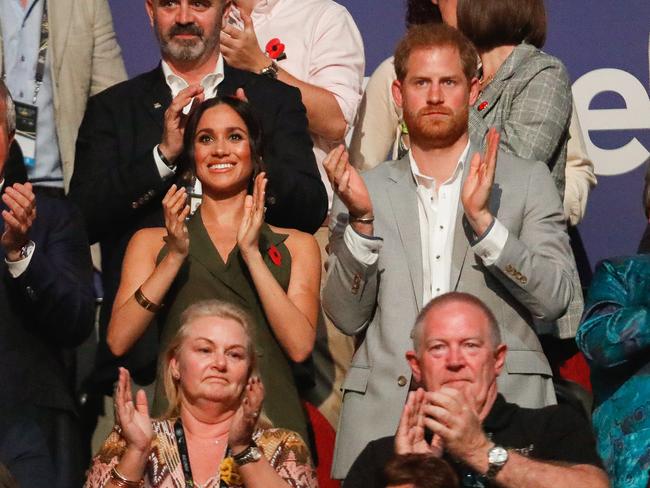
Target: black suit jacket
47 308
118 187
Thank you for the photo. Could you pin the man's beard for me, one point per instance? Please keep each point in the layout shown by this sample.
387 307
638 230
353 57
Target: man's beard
185 49
438 133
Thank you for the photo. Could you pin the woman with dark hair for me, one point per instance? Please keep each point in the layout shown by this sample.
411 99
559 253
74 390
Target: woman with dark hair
226 251
525 93
214 433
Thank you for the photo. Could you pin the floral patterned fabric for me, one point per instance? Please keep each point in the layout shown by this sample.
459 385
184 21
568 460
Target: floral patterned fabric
615 338
284 450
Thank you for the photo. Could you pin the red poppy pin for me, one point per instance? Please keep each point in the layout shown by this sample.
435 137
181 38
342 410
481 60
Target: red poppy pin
482 106
275 49
275 255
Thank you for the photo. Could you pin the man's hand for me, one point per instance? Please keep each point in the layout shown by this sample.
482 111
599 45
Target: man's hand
450 415
172 138
350 187
240 48
409 438
18 219
478 185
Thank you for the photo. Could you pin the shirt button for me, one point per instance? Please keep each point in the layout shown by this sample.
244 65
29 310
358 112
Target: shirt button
20 95
442 226
401 381
437 257
22 59
438 289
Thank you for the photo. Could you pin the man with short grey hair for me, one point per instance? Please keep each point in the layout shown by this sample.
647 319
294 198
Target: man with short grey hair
457 413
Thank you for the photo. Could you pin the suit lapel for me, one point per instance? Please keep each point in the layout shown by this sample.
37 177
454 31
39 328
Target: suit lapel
490 96
233 78
156 95
403 200
59 15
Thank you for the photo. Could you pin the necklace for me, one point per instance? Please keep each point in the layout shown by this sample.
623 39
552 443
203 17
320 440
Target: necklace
181 442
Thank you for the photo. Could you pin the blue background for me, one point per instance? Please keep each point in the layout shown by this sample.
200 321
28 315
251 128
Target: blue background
586 34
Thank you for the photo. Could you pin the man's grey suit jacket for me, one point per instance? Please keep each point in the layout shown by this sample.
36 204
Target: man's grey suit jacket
532 279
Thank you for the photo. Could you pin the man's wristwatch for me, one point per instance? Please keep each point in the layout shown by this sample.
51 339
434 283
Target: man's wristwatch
497 458
249 455
271 70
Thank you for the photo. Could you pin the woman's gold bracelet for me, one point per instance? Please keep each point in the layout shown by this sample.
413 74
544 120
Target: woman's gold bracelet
145 303
120 481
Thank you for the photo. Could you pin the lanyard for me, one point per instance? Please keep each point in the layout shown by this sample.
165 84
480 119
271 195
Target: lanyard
42 51
181 442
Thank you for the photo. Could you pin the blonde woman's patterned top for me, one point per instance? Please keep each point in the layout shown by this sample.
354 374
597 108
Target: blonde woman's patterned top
285 451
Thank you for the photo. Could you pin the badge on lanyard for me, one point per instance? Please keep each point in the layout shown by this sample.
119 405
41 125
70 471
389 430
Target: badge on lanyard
26 116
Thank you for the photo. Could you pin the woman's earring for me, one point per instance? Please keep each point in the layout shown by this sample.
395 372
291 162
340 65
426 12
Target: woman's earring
176 375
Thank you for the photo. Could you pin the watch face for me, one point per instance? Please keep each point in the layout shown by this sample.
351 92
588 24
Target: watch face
497 455
256 454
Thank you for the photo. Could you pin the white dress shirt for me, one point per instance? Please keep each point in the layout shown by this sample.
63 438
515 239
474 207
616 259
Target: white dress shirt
438 206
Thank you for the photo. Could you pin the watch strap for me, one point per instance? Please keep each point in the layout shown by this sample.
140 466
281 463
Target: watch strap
271 70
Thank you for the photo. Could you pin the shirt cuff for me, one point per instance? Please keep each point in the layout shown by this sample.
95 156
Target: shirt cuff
490 246
164 170
16 268
364 249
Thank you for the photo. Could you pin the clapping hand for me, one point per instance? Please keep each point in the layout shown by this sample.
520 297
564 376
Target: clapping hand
251 224
18 219
449 414
477 188
409 438
133 418
348 184
172 139
176 210
240 47
246 416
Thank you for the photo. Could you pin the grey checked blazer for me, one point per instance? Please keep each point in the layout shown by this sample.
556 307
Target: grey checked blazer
529 102
531 279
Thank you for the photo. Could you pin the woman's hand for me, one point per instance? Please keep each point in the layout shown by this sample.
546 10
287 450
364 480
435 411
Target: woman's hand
249 229
132 417
246 417
176 210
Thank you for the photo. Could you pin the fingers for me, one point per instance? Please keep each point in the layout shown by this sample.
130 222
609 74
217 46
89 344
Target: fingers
20 200
141 404
407 414
241 95
256 393
331 161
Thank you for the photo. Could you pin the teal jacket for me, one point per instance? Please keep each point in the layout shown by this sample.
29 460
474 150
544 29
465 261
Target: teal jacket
615 337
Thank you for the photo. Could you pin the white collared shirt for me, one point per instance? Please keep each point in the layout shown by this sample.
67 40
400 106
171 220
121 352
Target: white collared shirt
210 83
437 209
437 214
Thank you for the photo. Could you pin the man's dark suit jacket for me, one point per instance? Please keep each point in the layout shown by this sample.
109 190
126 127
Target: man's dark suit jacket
118 187
48 307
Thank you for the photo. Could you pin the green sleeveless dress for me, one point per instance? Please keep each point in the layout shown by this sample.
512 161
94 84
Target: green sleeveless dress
204 276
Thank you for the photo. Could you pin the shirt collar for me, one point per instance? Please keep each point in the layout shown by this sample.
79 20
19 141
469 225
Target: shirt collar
209 81
428 181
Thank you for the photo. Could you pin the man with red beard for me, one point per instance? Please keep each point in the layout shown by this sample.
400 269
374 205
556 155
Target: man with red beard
443 218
